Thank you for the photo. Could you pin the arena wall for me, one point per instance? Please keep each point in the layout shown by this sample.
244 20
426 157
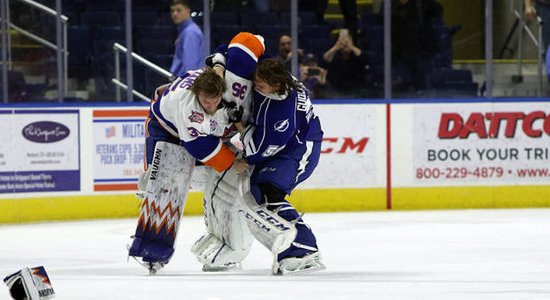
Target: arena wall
82 162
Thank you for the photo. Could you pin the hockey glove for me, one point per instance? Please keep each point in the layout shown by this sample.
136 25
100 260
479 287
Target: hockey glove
234 112
216 59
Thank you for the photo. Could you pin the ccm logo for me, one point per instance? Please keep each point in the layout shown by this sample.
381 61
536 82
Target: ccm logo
343 145
490 125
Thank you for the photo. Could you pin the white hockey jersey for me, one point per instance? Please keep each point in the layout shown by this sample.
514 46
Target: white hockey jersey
179 112
242 55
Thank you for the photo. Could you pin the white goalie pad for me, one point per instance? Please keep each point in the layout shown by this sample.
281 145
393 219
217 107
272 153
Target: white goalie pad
271 230
165 187
228 239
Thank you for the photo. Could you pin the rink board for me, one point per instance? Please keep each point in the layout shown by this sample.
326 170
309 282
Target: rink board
437 154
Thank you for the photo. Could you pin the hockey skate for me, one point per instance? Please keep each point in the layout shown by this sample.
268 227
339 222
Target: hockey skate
152 267
299 265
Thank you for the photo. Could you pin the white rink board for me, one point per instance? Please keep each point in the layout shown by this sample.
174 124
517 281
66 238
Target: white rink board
354 147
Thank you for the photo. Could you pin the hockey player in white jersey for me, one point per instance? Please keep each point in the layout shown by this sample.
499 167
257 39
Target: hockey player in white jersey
187 121
202 127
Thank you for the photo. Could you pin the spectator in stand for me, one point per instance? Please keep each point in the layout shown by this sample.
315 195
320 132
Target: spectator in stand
414 42
313 76
345 64
189 53
285 51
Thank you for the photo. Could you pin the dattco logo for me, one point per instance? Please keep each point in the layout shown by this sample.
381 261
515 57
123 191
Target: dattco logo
494 125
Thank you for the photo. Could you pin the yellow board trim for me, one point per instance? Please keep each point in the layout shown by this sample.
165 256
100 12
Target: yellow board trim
321 200
79 207
123 206
470 197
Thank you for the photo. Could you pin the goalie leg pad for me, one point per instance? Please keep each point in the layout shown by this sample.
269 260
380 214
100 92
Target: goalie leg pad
166 189
277 225
228 239
215 255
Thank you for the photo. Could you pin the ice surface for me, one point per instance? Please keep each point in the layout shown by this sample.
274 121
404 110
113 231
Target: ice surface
458 254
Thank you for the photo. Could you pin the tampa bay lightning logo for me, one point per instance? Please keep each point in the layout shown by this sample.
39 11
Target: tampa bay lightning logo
282 125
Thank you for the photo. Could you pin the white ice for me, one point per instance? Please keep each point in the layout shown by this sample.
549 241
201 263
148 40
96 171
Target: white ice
457 254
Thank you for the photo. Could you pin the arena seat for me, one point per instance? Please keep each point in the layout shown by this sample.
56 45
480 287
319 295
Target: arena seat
145 17
314 32
149 48
251 19
305 18
224 18
78 38
272 32
101 18
155 32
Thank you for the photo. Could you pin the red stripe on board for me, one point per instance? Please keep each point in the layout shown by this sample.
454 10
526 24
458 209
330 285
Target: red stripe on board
121 113
115 187
388 156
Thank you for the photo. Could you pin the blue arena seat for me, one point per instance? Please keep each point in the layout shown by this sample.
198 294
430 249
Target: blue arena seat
101 18
251 19
145 17
224 18
314 32
110 33
78 40
222 35
305 18
370 19
271 46
272 32
149 48
155 32
163 60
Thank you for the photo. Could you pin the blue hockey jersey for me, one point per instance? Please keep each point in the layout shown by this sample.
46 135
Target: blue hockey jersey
280 126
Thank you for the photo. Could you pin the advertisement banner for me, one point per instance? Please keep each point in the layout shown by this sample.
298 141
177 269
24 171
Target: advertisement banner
118 141
481 143
40 151
353 150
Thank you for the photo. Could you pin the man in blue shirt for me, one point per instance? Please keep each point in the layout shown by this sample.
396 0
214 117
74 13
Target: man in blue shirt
189 53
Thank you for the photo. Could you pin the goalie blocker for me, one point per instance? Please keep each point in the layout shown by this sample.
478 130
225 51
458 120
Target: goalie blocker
164 188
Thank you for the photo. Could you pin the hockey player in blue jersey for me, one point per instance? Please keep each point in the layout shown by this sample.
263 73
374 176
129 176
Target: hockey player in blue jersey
283 143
